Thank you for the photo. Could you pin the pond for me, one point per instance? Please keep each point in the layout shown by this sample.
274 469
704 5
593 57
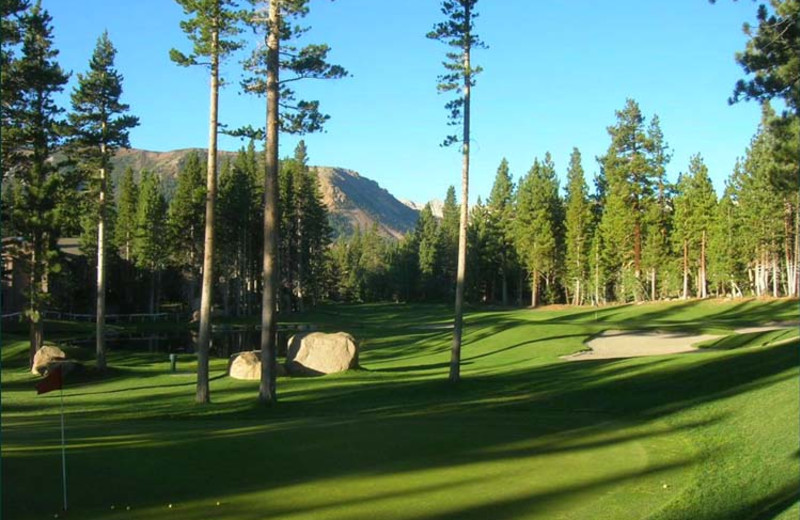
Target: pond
224 343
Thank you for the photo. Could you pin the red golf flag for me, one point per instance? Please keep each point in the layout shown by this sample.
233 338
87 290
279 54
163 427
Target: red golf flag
53 381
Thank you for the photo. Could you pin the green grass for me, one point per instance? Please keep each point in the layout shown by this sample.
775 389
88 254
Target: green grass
711 435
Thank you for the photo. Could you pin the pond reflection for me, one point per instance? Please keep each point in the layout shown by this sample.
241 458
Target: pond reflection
223 343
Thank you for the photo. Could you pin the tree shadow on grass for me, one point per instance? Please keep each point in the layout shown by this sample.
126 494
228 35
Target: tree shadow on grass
364 428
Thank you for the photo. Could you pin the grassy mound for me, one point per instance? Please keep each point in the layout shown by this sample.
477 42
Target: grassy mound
712 435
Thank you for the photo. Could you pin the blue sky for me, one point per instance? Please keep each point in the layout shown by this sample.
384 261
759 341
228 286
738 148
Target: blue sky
554 73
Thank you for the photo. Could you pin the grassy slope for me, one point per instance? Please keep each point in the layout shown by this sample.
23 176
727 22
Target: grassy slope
523 435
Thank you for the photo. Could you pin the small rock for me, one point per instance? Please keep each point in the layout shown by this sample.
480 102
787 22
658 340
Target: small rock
247 366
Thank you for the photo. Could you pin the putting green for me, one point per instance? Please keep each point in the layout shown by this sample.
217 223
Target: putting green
611 470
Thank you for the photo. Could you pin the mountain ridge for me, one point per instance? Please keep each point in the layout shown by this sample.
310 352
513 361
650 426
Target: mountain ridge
354 201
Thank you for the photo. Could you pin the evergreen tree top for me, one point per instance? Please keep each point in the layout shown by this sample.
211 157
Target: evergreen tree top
457 31
502 193
208 18
771 55
98 115
297 116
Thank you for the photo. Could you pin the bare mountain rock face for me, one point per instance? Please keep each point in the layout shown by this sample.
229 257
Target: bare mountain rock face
353 201
357 202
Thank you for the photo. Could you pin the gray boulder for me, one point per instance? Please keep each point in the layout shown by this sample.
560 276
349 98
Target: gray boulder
320 353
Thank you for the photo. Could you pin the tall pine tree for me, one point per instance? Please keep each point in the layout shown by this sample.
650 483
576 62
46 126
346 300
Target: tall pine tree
578 222
33 129
100 125
212 27
267 63
457 31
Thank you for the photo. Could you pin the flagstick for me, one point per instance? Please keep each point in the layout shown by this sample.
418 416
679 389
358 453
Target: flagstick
63 452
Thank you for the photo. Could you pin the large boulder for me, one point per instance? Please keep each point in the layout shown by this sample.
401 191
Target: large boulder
44 357
247 366
320 353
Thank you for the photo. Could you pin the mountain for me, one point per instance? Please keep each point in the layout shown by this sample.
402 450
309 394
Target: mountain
437 206
353 201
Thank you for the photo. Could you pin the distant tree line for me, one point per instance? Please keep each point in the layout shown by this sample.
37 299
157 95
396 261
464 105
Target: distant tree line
635 236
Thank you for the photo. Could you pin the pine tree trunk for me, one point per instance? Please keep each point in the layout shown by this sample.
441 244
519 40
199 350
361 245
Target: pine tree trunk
300 265
267 387
653 284
703 283
36 337
203 393
796 261
100 318
534 289
455 356
597 274
685 269
152 303
576 298
775 276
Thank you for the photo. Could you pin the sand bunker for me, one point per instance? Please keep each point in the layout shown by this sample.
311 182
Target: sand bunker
614 344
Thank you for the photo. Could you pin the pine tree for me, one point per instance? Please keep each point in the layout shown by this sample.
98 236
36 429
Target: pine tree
535 224
771 61
238 225
127 201
771 56
486 246
695 206
500 208
314 231
578 221
429 239
150 250
629 172
297 117
33 129
727 257
658 212
186 220
212 27
457 31
447 270
100 126
762 210
11 12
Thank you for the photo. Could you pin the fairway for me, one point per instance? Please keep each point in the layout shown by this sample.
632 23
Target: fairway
707 435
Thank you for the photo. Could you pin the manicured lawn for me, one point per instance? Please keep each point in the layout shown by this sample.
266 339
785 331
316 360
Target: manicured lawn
708 435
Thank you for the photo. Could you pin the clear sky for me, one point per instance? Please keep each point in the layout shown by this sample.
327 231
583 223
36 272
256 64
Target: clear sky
554 73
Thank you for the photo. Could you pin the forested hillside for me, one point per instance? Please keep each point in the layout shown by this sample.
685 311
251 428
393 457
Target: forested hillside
353 201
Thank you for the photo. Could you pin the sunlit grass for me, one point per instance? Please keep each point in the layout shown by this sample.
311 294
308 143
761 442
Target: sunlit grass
524 435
